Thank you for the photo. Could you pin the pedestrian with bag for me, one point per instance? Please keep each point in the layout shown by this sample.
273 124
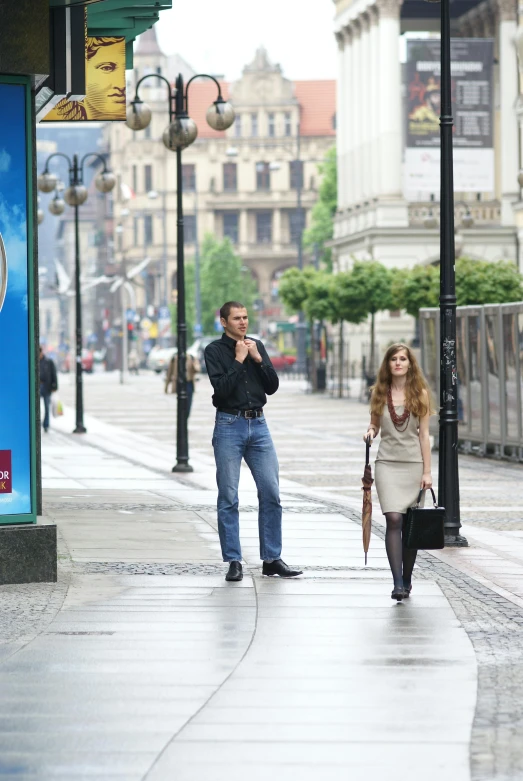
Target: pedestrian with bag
242 377
400 406
48 384
192 368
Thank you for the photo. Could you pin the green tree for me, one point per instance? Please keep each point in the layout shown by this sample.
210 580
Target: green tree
322 216
222 278
293 288
368 291
482 282
415 288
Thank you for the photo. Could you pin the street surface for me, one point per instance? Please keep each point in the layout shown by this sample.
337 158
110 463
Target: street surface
142 663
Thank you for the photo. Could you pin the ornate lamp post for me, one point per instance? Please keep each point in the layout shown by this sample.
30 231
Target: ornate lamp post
178 135
448 484
75 195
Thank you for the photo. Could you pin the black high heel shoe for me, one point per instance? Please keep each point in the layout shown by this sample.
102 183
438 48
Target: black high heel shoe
407 590
398 593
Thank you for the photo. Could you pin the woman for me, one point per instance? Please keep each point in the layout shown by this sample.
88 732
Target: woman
400 408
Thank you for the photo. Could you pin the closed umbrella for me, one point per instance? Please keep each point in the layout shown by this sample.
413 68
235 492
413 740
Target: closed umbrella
366 518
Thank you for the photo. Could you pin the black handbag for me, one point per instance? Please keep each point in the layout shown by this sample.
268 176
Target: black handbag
424 528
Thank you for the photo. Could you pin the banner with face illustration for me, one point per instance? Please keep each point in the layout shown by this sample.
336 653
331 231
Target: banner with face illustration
472 62
105 85
16 402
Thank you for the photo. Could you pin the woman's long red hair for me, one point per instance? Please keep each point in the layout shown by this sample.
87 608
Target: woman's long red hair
415 402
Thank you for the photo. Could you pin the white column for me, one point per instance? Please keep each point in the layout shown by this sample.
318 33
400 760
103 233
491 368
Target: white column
340 121
365 107
243 231
347 171
390 99
508 85
355 108
374 112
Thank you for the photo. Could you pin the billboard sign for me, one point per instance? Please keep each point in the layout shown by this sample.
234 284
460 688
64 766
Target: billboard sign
105 97
17 451
472 108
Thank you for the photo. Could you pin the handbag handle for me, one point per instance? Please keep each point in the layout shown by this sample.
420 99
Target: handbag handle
421 493
367 454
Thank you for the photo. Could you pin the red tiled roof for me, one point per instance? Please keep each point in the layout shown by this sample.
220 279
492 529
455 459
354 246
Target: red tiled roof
318 107
316 98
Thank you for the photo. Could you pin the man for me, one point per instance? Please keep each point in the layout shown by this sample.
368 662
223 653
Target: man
242 374
48 384
192 367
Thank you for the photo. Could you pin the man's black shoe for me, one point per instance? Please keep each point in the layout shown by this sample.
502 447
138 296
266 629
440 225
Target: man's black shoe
279 567
235 571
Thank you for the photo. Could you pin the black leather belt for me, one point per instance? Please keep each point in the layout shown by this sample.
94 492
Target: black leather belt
243 413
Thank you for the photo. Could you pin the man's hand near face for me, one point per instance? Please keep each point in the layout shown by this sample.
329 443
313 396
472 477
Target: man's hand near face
253 350
241 350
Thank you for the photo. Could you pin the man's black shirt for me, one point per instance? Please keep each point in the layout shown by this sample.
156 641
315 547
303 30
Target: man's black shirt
239 385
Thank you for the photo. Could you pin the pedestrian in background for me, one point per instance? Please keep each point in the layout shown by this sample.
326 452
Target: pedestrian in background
192 366
400 407
48 384
242 376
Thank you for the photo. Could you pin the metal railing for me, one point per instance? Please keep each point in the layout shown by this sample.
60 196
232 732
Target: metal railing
490 372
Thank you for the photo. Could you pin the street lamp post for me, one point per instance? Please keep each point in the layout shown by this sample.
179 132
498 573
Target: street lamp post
179 134
75 195
448 484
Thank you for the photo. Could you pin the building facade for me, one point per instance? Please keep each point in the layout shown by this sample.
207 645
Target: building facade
377 217
242 184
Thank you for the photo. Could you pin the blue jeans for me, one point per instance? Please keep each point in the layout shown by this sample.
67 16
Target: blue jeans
235 438
47 402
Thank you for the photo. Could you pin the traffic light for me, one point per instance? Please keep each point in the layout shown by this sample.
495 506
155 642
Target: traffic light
130 332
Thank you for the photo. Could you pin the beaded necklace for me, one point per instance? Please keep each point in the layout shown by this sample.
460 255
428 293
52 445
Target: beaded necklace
399 421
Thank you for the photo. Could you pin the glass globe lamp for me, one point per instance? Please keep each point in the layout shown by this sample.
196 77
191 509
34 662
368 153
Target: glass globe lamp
138 115
47 182
180 134
40 216
105 181
220 115
57 205
76 195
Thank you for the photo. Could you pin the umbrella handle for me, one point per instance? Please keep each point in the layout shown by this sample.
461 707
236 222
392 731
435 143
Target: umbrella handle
367 454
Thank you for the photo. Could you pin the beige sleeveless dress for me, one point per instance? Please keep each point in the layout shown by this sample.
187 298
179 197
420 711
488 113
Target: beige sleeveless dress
399 464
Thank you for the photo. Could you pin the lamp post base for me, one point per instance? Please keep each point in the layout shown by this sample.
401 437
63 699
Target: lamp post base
455 541
80 430
182 468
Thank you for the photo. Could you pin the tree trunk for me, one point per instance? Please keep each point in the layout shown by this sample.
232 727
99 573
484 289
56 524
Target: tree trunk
314 378
340 367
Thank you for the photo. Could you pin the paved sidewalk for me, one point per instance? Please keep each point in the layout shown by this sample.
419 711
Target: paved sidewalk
155 668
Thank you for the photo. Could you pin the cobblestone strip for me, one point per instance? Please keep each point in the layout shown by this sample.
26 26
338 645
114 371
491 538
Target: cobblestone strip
27 609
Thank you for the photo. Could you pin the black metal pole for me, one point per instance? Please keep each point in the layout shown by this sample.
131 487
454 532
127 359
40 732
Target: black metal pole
448 485
301 363
182 436
80 428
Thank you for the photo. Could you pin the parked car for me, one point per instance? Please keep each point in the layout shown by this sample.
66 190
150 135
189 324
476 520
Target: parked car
279 360
159 358
87 361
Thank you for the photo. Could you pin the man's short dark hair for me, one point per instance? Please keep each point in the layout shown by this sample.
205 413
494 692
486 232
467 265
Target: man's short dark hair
225 311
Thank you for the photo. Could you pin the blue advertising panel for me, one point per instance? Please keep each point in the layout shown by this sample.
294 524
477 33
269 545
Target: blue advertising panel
17 456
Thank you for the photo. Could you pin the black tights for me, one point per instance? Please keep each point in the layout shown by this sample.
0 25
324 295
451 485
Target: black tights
401 559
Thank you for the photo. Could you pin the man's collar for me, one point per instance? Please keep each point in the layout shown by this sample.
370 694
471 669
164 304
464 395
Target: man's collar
228 340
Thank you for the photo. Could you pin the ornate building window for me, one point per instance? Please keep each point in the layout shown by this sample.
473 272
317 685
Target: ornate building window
254 125
295 225
288 123
271 125
148 229
264 227
238 126
189 228
296 174
148 178
189 177
263 176
230 226
230 178
135 179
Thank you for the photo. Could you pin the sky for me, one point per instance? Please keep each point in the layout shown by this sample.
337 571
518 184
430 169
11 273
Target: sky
221 36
